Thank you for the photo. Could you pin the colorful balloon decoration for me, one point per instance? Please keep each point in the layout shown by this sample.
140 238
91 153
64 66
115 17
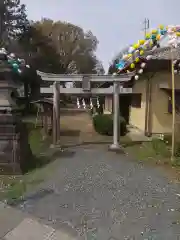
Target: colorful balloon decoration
16 64
135 59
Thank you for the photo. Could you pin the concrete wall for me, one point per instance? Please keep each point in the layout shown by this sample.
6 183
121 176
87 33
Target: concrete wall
161 120
137 115
108 104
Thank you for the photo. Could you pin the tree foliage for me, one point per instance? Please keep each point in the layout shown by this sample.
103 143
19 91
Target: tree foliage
39 51
13 20
74 49
56 47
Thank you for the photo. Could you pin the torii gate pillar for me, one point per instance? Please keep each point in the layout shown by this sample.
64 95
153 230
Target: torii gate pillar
115 146
56 113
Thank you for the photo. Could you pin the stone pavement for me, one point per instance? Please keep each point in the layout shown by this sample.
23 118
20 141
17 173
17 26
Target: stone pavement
96 194
137 135
15 225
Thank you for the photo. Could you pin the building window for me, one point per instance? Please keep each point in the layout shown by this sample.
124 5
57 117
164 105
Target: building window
136 100
169 105
177 103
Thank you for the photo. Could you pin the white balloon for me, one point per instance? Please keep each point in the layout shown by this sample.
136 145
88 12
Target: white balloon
12 55
131 50
140 71
146 43
143 65
149 57
136 77
124 56
170 29
154 48
3 51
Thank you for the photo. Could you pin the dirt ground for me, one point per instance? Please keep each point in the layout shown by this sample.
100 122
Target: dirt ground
77 128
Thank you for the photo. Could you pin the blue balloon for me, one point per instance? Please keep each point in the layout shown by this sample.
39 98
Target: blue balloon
11 61
163 32
15 65
153 36
120 65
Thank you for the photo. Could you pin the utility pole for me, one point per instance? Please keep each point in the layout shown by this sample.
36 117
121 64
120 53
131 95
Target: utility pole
146 26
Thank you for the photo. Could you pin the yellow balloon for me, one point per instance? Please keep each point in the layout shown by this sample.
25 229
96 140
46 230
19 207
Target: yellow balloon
141 42
137 60
154 31
158 37
132 65
150 43
178 34
129 55
141 52
148 35
161 27
136 46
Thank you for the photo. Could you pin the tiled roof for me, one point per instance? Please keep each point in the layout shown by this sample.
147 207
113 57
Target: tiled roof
164 53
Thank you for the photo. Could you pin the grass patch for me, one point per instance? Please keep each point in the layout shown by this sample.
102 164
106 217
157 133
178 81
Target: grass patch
156 151
14 187
36 143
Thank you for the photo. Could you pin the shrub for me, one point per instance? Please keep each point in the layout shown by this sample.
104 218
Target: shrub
168 141
103 124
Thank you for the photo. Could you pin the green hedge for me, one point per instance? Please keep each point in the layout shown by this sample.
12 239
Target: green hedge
103 124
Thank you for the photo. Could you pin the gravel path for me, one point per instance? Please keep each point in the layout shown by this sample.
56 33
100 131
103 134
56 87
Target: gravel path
106 196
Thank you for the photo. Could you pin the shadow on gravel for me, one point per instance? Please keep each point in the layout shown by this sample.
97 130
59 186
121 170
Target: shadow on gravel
90 143
34 196
63 154
70 133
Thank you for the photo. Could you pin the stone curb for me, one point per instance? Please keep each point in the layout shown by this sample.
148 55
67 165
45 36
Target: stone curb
16 225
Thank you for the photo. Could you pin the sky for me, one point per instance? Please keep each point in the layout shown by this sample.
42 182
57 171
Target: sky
115 23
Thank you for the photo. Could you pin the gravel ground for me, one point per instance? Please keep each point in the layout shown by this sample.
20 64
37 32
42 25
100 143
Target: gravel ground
102 195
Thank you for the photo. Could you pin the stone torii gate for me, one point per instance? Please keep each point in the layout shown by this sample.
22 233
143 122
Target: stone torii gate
56 89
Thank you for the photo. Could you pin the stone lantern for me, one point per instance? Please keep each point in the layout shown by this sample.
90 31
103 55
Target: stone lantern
14 147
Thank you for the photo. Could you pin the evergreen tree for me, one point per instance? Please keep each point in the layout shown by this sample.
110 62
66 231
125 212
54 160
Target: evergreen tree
13 20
